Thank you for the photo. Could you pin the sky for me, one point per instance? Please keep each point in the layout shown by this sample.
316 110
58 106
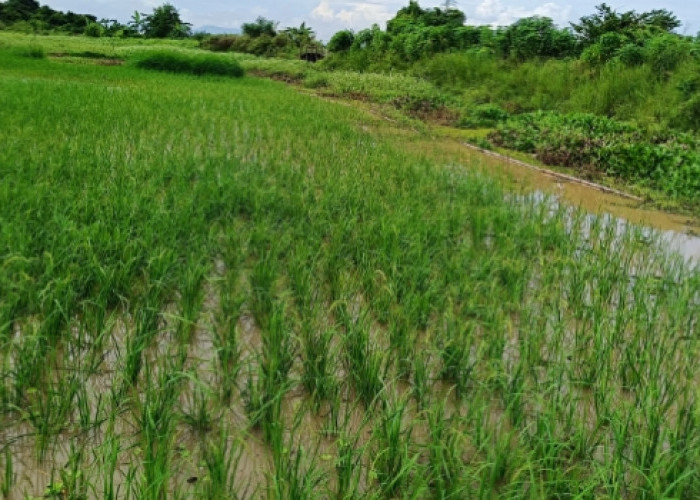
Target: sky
329 16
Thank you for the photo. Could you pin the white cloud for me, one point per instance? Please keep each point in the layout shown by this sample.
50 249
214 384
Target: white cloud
353 14
323 11
493 12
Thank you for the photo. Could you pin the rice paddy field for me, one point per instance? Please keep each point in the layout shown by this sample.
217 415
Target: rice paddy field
217 287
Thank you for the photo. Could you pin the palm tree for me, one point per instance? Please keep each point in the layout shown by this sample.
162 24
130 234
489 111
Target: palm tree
138 22
301 36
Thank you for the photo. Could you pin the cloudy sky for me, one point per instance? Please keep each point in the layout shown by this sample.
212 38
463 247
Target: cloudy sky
328 16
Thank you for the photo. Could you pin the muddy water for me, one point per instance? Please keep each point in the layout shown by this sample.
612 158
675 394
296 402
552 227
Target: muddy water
682 232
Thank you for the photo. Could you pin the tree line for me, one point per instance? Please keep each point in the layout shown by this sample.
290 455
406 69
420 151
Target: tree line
413 34
416 33
29 16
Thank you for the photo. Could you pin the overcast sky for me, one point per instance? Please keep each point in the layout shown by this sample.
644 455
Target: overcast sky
328 16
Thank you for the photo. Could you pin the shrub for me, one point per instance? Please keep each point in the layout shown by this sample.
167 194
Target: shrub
631 55
341 41
666 52
485 115
624 150
688 116
316 81
178 62
94 30
218 43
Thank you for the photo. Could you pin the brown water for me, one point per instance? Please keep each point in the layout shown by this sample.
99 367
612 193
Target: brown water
442 143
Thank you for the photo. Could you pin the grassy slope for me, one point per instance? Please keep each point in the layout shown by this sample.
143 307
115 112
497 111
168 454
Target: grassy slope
222 261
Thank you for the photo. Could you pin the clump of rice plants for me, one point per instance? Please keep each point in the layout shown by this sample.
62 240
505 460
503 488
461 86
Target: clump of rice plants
195 64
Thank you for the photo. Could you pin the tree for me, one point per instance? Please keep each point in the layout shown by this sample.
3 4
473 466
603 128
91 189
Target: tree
536 36
94 30
261 26
341 41
138 22
413 17
19 10
165 22
628 24
301 36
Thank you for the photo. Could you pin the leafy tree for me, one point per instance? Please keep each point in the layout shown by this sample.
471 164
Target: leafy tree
630 24
261 26
414 17
666 52
341 41
165 22
138 22
536 37
301 36
18 10
94 30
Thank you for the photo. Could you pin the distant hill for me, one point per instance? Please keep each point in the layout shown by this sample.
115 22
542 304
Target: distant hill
217 30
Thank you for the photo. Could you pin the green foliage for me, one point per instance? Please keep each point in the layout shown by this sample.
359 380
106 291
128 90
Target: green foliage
413 16
484 115
165 22
632 55
262 39
29 17
533 37
94 30
666 52
301 37
629 24
604 49
260 27
178 62
278 46
583 141
341 41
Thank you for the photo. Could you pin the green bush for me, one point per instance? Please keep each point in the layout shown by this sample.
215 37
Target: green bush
631 55
316 81
485 115
670 163
94 30
666 52
341 41
195 64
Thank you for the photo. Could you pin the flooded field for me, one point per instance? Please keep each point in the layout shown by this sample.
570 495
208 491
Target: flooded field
246 292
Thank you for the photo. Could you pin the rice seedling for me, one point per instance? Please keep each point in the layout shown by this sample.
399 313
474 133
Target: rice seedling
393 460
222 461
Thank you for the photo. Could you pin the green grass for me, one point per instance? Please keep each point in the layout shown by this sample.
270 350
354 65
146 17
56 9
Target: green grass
225 287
